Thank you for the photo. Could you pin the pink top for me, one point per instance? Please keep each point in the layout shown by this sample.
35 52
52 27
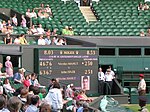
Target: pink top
23 22
9 68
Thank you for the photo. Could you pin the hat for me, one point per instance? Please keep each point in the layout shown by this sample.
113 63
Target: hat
141 75
23 70
47 5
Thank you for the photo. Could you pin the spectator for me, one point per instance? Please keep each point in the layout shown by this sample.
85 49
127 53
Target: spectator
48 10
140 6
33 80
29 32
40 14
23 40
23 21
9 25
8 39
65 31
148 32
47 40
41 41
1 88
45 107
146 7
111 71
26 82
42 93
28 13
46 15
54 33
14 20
34 30
142 34
14 104
9 66
40 30
2 74
54 40
69 91
61 41
35 100
19 76
48 33
42 7
52 81
7 86
71 32
5 30
54 98
142 86
33 14
3 102
23 95
17 40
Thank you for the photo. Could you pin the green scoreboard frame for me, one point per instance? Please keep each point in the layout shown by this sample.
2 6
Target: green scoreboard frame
69 65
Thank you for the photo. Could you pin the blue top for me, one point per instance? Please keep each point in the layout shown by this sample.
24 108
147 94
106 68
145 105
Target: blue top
47 41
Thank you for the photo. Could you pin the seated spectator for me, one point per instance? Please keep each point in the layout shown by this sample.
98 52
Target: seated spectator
33 14
14 20
46 15
14 104
19 76
148 32
3 103
61 41
146 7
5 30
71 32
23 40
40 14
140 6
142 34
69 91
17 40
34 30
9 25
41 41
33 80
48 33
40 30
48 10
29 32
23 95
54 40
8 39
2 74
7 86
54 33
23 21
28 13
26 82
65 31
47 40
35 101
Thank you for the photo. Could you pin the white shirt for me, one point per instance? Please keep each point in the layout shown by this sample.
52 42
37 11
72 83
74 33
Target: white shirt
41 42
142 85
108 77
101 76
15 21
33 14
40 31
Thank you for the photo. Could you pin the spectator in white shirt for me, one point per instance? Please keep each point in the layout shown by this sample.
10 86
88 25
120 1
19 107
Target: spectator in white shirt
48 10
41 41
14 21
101 79
33 14
40 30
28 13
142 85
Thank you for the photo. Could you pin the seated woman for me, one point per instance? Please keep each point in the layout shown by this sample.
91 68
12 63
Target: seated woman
7 86
40 14
82 96
8 39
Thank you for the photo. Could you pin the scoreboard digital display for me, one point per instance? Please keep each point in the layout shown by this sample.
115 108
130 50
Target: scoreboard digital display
69 65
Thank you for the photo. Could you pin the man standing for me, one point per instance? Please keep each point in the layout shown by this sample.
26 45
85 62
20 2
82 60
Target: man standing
141 90
101 79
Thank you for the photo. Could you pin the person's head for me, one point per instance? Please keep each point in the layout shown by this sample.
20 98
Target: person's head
47 6
85 82
8 58
9 22
43 91
56 85
28 10
41 37
3 101
48 30
40 26
14 15
6 81
48 37
14 104
26 77
33 76
141 76
35 100
8 34
66 27
22 35
31 88
24 93
100 69
42 5
36 90
108 71
55 30
22 16
29 99
45 107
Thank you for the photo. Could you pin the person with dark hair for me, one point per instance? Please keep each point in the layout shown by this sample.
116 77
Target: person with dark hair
7 86
3 101
33 80
36 90
35 100
14 104
52 81
85 82
54 98
23 40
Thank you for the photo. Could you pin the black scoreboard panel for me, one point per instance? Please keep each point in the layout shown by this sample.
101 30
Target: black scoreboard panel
69 65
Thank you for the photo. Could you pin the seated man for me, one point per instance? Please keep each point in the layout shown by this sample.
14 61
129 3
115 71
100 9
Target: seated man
19 76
